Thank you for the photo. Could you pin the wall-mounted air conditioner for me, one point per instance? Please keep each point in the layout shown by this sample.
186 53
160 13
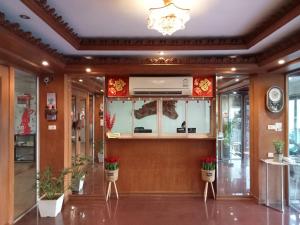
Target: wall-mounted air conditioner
160 86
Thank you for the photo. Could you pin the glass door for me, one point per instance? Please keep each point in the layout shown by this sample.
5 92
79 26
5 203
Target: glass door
233 145
25 151
294 141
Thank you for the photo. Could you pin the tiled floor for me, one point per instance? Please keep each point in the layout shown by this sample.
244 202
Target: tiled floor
164 211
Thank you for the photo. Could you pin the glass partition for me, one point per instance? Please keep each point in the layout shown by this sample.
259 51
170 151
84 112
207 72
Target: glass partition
25 166
294 141
163 118
145 117
123 112
173 117
198 117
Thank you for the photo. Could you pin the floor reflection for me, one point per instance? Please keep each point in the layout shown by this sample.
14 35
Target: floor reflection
165 211
233 177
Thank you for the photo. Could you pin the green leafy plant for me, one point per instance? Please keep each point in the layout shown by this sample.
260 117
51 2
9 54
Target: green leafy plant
50 186
111 163
208 163
278 145
78 169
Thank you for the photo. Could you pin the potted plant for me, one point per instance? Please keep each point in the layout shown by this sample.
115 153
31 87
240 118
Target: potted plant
208 169
51 189
78 172
111 168
278 155
109 121
101 152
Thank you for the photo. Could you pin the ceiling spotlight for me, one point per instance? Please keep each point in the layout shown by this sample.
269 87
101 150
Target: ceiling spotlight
232 56
45 63
80 80
233 69
101 90
237 79
88 70
281 61
161 53
234 92
88 57
25 17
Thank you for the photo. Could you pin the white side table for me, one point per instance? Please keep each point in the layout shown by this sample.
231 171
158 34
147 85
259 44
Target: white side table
269 162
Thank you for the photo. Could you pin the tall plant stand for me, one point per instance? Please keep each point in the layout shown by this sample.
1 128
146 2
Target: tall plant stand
111 177
209 177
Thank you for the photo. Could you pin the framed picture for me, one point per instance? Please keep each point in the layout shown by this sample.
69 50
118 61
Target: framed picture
51 111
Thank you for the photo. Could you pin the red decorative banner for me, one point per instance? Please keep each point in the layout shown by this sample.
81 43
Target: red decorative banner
117 86
203 86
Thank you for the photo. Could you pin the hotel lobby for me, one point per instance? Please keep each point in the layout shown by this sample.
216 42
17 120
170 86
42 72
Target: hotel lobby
150 112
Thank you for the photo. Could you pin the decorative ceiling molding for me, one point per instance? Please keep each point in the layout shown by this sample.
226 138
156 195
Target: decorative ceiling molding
27 36
289 11
280 49
55 21
285 14
189 60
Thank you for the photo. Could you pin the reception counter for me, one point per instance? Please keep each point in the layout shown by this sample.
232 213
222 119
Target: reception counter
160 165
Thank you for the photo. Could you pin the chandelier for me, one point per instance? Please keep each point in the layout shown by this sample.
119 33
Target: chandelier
168 19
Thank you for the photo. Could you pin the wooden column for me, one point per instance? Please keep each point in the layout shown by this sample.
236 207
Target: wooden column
7 144
260 137
55 145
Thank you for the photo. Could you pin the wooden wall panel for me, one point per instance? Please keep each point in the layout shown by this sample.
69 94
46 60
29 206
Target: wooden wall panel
55 144
260 117
7 144
160 166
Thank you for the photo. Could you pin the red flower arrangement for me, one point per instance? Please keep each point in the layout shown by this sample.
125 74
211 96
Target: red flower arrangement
208 163
110 121
111 163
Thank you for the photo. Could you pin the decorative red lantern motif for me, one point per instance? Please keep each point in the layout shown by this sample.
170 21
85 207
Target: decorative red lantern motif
117 87
203 86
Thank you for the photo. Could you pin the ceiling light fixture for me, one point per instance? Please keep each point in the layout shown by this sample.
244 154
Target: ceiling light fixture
281 61
168 19
88 57
237 79
80 80
233 69
45 63
161 53
88 70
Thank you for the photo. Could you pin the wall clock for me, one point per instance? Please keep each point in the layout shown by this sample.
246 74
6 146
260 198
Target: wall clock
275 99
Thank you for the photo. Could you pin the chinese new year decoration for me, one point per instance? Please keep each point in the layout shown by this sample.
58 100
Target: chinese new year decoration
117 87
203 86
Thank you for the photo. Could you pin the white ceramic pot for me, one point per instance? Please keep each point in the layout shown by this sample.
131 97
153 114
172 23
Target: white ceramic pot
100 157
208 175
112 175
278 157
51 208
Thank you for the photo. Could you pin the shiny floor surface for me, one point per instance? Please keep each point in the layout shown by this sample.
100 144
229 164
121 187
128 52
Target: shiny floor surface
233 177
164 211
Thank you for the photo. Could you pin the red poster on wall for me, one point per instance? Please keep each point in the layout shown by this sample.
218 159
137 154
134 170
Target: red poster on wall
117 86
203 86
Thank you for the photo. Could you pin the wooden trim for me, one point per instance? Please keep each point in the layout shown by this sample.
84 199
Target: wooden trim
47 14
278 19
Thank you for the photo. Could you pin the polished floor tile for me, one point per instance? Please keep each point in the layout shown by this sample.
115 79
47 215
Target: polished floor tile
164 211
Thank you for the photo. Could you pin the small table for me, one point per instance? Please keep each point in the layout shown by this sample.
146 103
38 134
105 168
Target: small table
281 164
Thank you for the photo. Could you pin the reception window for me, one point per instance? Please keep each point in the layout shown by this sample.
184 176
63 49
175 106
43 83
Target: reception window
162 118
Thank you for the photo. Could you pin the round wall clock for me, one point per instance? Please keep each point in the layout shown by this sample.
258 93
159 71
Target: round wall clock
275 98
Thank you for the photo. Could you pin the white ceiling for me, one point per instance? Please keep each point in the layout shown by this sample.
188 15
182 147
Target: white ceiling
121 18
